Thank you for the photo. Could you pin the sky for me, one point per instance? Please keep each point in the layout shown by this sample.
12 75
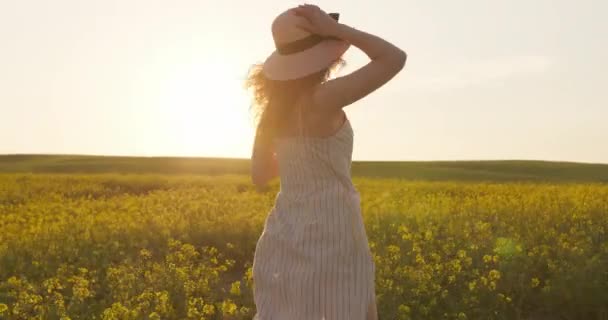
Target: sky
484 80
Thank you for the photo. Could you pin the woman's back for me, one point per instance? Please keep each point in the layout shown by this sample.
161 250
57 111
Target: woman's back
309 164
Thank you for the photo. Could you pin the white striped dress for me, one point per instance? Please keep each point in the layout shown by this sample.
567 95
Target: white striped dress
312 261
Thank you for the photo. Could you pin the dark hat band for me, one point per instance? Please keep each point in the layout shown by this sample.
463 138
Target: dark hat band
305 43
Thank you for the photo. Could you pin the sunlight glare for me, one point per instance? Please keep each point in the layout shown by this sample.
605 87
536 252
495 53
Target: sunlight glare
206 108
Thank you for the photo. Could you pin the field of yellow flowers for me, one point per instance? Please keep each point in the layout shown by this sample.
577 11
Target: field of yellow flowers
112 246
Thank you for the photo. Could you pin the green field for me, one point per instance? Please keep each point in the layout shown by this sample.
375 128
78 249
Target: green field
169 238
509 170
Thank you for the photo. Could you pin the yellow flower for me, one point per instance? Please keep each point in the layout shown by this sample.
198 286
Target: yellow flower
404 309
484 281
228 307
393 249
494 275
472 285
419 259
145 254
461 254
209 309
535 282
428 235
492 285
235 289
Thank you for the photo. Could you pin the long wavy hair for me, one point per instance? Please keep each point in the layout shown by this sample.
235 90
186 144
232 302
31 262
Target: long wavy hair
273 101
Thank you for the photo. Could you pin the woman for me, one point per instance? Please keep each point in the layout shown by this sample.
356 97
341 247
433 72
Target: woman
312 261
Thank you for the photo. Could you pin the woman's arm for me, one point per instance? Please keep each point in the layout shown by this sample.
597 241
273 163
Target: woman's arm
386 60
264 166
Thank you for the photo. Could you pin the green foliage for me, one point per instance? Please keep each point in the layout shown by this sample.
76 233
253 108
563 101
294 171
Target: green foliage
180 247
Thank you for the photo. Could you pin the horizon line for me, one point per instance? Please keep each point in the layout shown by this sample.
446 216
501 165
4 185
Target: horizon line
246 158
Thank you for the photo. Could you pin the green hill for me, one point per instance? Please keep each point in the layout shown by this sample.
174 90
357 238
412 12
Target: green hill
507 170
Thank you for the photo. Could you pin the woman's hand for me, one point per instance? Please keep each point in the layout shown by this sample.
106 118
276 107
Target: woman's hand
315 20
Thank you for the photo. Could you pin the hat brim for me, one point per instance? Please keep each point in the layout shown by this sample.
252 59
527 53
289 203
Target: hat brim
304 63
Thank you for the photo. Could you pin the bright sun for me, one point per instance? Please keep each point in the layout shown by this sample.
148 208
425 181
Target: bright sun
207 111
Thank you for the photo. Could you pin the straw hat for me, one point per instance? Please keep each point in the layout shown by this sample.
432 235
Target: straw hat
299 53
